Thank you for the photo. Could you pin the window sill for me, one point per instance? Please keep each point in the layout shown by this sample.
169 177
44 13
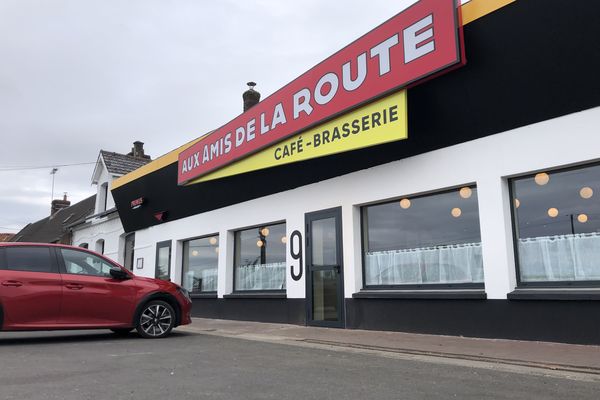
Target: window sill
257 295
469 294
554 294
203 295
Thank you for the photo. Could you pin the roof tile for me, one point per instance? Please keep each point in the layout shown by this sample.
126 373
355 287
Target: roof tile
121 163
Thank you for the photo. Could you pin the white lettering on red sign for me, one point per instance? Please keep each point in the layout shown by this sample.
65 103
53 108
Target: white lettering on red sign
419 42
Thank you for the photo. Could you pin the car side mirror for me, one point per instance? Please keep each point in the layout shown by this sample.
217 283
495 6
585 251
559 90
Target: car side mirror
118 273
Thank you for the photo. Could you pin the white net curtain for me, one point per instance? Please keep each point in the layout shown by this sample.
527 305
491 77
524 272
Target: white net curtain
260 277
204 280
461 263
572 257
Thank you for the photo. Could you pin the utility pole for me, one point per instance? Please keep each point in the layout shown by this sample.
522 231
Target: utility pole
53 173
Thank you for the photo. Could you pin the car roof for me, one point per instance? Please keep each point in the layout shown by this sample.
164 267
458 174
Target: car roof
11 244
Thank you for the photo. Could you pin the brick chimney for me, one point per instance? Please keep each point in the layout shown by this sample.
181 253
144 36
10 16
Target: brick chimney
251 97
58 204
138 150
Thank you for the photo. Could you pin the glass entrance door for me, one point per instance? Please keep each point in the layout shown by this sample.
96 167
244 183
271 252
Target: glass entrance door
324 283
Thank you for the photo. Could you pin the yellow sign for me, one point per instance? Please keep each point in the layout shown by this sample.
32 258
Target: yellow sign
376 123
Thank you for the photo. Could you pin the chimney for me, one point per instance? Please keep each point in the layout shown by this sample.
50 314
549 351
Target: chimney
138 150
58 204
251 97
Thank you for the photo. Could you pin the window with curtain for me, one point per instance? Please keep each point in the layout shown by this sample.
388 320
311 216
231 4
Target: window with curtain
260 258
557 226
200 261
423 241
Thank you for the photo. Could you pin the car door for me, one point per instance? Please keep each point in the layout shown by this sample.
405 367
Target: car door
30 287
91 297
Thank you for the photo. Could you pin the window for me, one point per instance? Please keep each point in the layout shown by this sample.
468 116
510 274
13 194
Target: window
82 263
423 241
103 197
163 261
260 258
129 247
557 226
200 259
29 259
84 245
100 246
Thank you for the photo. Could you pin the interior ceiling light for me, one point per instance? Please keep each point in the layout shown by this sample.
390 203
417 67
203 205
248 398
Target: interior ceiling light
405 203
264 231
212 240
553 212
284 239
517 203
586 192
456 212
582 218
260 243
465 192
542 178
195 253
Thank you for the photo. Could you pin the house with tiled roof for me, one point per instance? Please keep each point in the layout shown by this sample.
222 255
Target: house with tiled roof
56 227
5 237
102 230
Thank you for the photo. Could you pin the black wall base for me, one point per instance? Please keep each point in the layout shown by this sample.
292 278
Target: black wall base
283 311
562 321
551 321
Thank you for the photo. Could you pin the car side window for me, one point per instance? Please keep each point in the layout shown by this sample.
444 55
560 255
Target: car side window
28 259
82 263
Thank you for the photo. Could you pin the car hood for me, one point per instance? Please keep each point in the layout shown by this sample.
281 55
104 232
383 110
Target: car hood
154 282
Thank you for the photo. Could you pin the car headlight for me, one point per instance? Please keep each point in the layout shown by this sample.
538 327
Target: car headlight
184 292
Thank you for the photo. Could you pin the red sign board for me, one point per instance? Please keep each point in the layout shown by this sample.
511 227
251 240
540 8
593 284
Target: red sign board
417 43
137 203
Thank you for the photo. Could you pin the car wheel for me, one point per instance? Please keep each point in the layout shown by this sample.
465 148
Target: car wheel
156 320
121 331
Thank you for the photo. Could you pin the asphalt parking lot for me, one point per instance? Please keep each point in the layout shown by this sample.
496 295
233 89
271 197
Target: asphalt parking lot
98 365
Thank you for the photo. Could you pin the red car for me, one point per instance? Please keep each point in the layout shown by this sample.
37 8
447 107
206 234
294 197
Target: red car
53 287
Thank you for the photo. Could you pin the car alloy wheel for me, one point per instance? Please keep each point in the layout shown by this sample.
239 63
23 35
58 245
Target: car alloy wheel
156 320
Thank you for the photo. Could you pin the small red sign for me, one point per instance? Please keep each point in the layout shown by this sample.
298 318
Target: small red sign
417 43
137 203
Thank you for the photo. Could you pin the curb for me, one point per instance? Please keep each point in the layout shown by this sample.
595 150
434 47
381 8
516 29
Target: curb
496 360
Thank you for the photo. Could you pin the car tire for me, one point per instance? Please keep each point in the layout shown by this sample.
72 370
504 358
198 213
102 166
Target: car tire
121 331
156 320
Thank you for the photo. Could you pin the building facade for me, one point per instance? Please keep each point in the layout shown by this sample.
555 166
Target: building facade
101 230
484 221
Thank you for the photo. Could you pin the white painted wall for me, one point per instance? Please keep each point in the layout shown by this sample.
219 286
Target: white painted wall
105 177
487 162
108 229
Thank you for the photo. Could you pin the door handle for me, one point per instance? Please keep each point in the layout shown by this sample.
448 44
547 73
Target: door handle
12 283
74 286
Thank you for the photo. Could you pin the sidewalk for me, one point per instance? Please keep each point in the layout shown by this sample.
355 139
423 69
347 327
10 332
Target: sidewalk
554 356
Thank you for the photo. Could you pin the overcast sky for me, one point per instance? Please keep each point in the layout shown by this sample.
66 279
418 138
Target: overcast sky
77 76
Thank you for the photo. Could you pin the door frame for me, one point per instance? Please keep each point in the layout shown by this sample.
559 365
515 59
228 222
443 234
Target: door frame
336 213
